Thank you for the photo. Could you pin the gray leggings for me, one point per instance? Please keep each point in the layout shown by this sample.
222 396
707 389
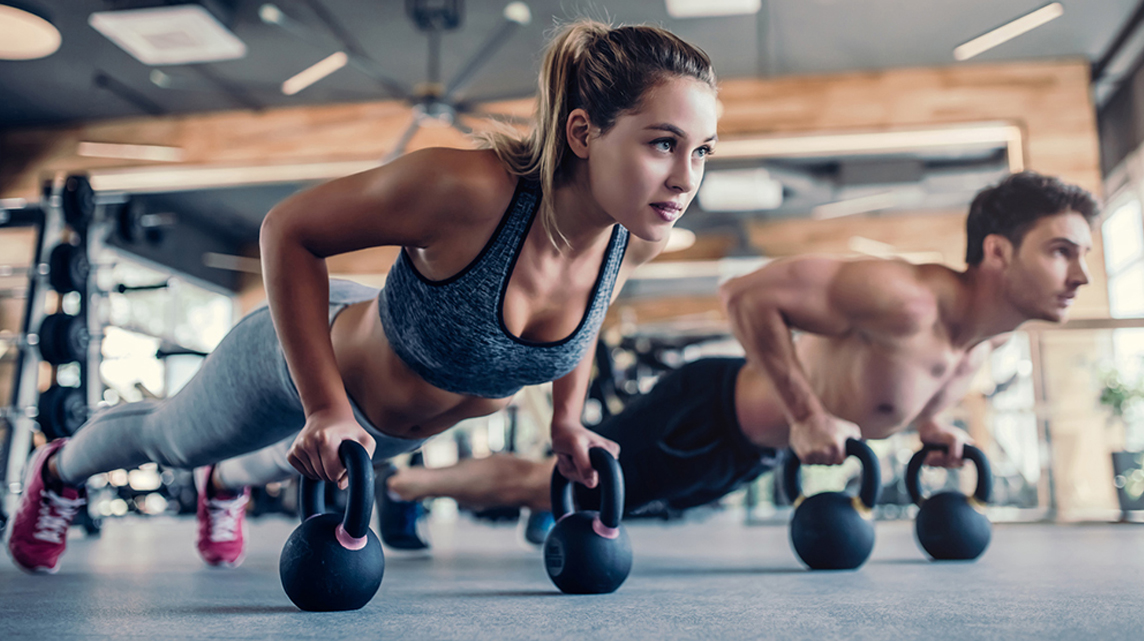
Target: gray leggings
241 411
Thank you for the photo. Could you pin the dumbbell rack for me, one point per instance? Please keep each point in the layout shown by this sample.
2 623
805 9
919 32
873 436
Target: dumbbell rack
63 203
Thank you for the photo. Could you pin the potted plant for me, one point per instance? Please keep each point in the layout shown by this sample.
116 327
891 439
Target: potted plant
1126 401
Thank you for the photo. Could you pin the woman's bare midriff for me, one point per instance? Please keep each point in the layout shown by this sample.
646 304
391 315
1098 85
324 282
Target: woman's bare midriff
393 397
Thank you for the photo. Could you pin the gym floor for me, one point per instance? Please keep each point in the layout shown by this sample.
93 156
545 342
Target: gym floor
716 579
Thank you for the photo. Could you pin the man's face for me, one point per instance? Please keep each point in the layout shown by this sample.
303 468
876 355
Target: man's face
1049 267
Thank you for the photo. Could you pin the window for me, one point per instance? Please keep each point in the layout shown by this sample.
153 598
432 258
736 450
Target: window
1123 234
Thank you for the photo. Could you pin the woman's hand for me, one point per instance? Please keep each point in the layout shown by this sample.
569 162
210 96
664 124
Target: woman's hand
570 444
315 450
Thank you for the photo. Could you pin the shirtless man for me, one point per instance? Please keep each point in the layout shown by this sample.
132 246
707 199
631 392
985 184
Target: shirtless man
883 345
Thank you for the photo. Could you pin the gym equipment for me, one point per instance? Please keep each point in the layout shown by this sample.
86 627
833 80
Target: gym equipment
588 552
332 563
134 224
77 199
63 338
951 525
8 271
833 530
62 410
68 268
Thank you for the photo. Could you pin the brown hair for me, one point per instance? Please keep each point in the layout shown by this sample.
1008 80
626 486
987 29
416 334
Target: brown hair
604 70
1011 207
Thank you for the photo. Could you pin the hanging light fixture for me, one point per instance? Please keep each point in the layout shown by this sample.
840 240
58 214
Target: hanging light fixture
26 33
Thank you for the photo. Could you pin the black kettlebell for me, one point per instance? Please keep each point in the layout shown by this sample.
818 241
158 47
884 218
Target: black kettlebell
833 530
951 525
330 562
588 552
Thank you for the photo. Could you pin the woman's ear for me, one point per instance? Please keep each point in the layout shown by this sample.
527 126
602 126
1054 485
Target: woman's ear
577 130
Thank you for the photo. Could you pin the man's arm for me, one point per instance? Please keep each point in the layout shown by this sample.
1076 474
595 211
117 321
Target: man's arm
930 430
829 297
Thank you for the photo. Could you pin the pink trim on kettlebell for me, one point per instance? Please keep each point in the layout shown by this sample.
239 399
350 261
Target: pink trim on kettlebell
347 541
607 532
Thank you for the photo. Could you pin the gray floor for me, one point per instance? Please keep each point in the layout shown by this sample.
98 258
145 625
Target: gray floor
711 580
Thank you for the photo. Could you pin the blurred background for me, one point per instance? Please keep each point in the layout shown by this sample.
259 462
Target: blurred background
851 127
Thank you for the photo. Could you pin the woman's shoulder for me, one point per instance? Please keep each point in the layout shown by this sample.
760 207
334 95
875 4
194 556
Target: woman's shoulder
470 184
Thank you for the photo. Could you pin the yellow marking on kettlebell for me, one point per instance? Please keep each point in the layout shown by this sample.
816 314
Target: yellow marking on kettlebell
975 504
861 508
799 500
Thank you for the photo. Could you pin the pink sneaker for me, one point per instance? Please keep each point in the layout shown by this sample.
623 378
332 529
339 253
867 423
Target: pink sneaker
39 530
222 522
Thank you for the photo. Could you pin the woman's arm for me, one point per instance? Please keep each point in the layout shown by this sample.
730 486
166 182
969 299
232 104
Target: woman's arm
411 202
570 439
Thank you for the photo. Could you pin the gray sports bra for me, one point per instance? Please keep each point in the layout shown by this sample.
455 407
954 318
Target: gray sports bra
451 332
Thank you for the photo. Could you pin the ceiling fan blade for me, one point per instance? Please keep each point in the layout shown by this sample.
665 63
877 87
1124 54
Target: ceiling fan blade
271 14
516 14
403 142
461 127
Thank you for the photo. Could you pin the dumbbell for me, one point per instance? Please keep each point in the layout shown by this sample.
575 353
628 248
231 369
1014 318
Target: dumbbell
67 268
833 530
951 525
62 410
62 338
77 199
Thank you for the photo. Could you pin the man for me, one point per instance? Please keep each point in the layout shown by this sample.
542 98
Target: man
883 345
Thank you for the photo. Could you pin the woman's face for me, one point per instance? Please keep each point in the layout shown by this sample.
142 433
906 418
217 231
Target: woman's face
646 169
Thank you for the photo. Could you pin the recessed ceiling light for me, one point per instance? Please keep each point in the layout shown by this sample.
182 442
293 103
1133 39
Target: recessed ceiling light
182 34
26 33
1008 31
711 8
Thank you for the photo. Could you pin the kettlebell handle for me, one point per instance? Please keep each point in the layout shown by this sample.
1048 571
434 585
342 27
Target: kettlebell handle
984 474
871 473
359 502
611 489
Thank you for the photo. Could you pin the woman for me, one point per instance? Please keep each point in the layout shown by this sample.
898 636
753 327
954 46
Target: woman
480 302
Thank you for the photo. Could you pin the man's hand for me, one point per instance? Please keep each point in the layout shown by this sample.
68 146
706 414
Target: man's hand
934 433
570 444
821 439
315 450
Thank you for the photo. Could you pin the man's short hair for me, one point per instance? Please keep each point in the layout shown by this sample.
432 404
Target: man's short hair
1013 206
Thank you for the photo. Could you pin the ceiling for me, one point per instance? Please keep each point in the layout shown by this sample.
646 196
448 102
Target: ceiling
90 78
786 37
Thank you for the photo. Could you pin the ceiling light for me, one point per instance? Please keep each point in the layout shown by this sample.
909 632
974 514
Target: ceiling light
157 153
711 8
904 197
987 135
852 206
1008 31
182 34
740 190
26 33
315 72
184 178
